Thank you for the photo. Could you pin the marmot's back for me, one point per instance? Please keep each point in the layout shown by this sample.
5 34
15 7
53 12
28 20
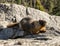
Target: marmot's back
26 24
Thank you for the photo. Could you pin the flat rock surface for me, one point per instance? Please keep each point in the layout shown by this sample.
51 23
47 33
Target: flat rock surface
30 42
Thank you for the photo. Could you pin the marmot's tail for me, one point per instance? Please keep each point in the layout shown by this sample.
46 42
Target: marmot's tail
12 25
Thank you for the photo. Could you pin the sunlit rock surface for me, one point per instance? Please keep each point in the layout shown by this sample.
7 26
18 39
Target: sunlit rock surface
11 12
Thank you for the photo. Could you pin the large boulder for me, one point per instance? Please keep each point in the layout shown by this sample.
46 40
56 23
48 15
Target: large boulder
10 13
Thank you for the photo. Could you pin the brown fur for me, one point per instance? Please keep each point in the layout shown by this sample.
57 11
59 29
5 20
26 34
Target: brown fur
26 25
38 26
43 26
12 25
33 27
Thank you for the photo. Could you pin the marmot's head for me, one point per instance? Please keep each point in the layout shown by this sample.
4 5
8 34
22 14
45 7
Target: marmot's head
35 24
42 22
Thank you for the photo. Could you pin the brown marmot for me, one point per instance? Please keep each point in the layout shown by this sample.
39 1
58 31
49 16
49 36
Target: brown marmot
33 27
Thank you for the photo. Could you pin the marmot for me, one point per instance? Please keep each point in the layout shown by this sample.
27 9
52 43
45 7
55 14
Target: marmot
29 26
33 27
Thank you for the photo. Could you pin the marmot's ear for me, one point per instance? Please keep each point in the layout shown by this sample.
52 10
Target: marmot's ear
42 22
